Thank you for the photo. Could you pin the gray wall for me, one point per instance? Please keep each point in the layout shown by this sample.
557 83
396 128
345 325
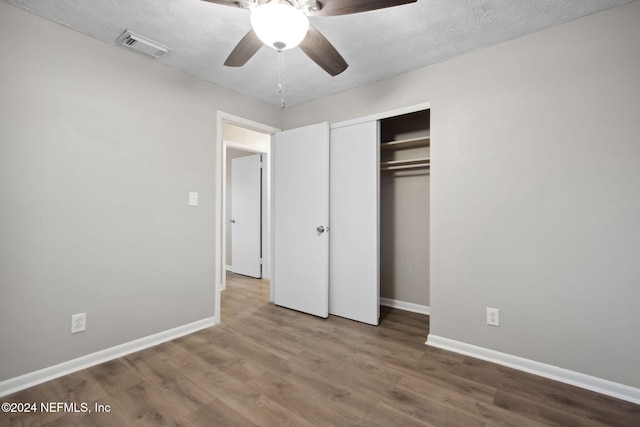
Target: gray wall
404 236
535 191
99 148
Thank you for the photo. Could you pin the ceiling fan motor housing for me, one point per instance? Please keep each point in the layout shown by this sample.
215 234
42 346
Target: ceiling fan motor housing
304 5
279 24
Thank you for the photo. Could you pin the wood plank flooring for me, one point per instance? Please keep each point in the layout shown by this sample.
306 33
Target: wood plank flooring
269 366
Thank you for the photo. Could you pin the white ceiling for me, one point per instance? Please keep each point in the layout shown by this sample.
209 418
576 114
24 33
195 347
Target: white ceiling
377 45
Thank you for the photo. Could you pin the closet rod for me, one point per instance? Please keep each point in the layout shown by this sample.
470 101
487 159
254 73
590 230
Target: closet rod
422 141
412 166
420 161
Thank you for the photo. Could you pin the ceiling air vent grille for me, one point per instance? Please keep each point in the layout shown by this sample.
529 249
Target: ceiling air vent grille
141 44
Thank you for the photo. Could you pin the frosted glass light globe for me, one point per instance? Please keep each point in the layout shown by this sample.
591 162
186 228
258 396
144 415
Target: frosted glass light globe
279 25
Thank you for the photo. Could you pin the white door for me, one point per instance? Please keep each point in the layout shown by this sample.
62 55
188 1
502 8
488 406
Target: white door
246 218
354 290
301 219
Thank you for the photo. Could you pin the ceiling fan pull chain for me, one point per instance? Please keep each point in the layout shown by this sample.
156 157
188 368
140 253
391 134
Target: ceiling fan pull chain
281 77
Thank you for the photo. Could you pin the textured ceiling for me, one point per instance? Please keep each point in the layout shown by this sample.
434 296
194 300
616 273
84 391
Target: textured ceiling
377 45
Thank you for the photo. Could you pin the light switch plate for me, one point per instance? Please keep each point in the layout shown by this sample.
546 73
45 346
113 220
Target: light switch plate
193 198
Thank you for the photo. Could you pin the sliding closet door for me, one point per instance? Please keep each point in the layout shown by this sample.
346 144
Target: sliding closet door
301 219
354 290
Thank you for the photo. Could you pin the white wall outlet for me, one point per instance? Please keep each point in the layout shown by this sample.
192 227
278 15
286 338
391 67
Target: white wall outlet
493 316
193 198
78 322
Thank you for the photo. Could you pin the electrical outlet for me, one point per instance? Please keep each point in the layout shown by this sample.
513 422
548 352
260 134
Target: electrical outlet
78 322
493 316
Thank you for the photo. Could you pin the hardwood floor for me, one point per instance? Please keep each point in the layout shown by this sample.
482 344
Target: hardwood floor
269 366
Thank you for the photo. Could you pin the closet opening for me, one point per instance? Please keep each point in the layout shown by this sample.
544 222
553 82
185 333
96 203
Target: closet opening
404 210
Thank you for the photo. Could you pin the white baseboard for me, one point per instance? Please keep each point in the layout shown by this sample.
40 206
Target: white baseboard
227 267
407 306
599 385
31 379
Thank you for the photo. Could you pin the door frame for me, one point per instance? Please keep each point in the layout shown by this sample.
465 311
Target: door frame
220 202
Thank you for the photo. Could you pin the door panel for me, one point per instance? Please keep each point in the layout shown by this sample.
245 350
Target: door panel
246 219
354 290
301 205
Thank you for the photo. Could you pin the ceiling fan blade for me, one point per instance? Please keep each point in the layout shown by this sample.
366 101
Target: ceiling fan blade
244 50
321 51
346 7
245 4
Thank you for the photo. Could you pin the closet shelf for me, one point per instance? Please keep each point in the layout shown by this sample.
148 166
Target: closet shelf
422 141
424 162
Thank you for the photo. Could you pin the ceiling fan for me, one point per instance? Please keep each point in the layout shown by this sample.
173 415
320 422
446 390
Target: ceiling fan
283 24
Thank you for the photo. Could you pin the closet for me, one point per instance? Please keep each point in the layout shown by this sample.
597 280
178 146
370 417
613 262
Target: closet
351 215
404 210
379 215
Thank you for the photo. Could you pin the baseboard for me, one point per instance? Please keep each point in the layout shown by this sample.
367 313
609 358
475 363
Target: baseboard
407 306
227 267
31 379
598 385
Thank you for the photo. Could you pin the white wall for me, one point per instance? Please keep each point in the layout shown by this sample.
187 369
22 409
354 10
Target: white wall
99 148
535 191
256 140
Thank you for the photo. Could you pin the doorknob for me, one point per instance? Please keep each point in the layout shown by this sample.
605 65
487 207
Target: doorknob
320 229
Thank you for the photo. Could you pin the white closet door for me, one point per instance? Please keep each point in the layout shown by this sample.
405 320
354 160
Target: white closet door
301 217
246 219
354 290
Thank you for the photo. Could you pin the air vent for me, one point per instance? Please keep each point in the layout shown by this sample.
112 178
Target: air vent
141 44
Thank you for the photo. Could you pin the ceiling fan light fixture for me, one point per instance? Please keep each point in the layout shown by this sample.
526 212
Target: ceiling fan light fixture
279 25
